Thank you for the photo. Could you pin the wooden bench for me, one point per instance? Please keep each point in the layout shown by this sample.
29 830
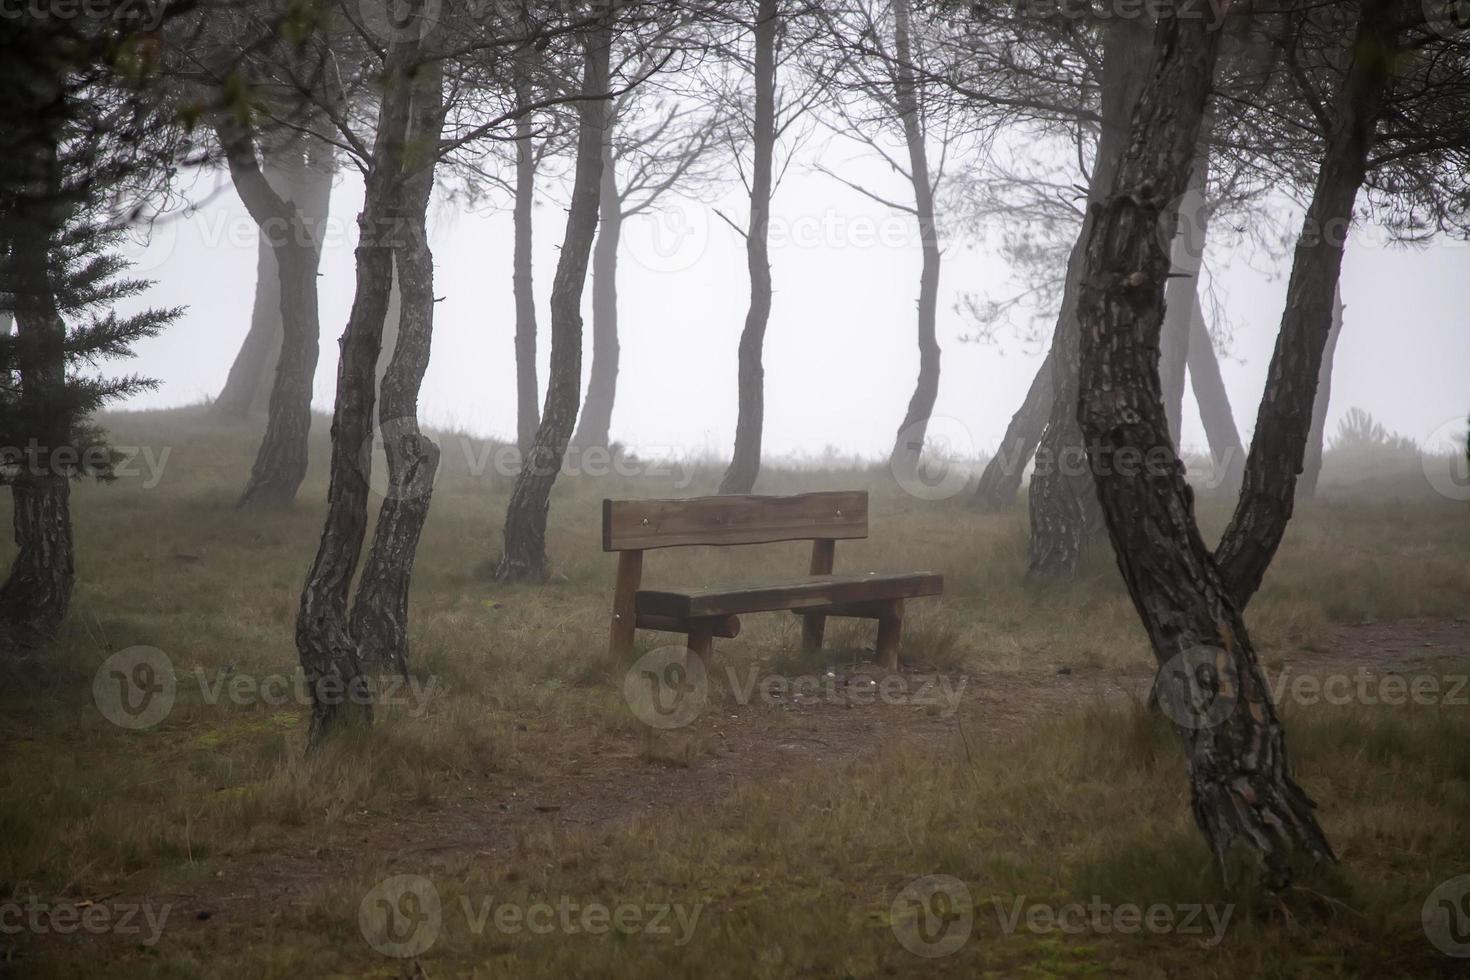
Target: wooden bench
631 527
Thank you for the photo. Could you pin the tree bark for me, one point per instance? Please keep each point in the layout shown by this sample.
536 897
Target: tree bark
909 444
745 460
36 595
293 228
393 319
1227 452
380 612
1312 465
527 387
341 696
1284 419
1063 503
1001 479
595 424
1241 788
524 557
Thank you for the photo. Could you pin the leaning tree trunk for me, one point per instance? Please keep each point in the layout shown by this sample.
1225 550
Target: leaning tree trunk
247 387
392 320
341 696
527 418
594 427
745 461
37 592
1312 465
1181 295
1227 452
380 611
1063 503
524 557
293 228
1284 420
1241 787
909 444
1001 478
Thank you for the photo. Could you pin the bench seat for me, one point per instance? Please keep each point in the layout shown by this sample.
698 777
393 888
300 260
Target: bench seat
814 592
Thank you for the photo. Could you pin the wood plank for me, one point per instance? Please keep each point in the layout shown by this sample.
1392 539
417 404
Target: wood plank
890 630
814 626
726 520
811 593
620 633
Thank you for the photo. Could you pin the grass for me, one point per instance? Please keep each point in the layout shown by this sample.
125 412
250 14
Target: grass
794 870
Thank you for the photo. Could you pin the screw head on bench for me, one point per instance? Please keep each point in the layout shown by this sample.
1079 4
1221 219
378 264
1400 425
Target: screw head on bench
645 522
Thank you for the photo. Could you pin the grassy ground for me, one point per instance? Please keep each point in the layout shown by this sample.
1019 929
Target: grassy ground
1048 787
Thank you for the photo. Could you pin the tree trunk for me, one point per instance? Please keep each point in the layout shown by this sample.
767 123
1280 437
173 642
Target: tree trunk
293 228
1001 478
1312 465
909 444
392 320
1285 417
37 592
1227 452
1181 295
595 426
524 557
1241 788
380 612
745 461
341 696
247 388
527 386
1063 503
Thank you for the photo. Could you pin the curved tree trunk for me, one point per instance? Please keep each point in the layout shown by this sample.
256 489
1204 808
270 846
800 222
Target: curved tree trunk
341 695
1001 478
248 385
524 557
1227 452
909 444
293 229
1181 295
745 461
1284 420
595 425
1312 465
1241 787
527 387
380 611
1063 504
393 319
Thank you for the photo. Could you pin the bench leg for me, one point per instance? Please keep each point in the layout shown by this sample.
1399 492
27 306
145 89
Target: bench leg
702 642
890 628
813 625
624 615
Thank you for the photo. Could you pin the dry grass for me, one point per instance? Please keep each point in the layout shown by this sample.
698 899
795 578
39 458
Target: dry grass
796 874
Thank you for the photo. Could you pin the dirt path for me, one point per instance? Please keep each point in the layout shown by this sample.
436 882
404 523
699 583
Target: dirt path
729 745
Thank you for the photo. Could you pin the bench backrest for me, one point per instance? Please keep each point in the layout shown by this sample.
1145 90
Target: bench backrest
636 525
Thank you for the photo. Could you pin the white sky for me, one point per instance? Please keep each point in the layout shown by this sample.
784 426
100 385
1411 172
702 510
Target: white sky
840 351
